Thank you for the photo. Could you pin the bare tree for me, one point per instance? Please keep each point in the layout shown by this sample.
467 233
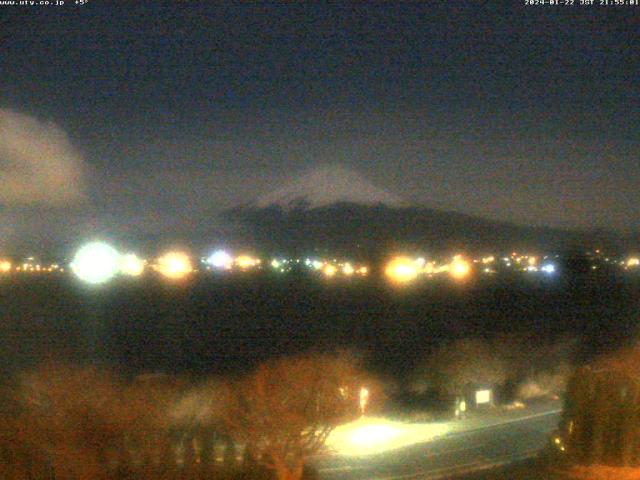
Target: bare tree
285 410
20 456
198 420
84 423
145 408
67 417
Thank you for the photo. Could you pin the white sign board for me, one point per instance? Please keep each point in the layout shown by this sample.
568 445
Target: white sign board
483 397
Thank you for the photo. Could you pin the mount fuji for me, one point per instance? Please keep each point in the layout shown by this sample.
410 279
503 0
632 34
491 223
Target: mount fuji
327 185
333 209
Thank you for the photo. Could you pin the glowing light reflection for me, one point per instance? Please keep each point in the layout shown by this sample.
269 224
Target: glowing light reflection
369 436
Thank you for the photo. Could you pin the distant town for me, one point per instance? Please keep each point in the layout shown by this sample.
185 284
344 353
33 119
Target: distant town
98 262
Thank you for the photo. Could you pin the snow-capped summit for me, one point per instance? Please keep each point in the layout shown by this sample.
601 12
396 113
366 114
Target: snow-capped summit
327 185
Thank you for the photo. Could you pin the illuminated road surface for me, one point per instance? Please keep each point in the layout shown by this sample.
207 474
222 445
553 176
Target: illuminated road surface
468 446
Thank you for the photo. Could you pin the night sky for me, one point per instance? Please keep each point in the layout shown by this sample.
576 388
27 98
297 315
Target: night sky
150 117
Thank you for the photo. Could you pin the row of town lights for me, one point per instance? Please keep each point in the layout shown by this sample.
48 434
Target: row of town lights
98 262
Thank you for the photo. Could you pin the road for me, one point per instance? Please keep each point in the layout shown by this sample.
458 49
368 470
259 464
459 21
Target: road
471 445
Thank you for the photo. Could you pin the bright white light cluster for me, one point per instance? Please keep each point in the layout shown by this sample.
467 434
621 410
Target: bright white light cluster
549 268
99 262
220 260
96 263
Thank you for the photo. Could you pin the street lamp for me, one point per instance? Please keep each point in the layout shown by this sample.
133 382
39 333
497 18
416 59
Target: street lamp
364 399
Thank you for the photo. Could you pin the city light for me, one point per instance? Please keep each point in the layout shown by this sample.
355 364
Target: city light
348 269
220 260
174 265
430 268
329 270
131 265
96 263
401 270
459 268
246 262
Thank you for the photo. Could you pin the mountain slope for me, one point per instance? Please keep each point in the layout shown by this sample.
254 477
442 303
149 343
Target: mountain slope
372 232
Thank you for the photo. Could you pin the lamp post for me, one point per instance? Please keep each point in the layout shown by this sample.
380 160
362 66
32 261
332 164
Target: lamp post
364 399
